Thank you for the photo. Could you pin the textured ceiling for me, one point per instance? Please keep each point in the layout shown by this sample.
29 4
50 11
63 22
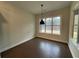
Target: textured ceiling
34 6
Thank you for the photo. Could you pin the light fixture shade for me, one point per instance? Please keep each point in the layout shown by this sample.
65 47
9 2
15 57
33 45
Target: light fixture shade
42 22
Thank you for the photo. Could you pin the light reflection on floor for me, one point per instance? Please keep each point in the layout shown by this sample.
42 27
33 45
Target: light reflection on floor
47 48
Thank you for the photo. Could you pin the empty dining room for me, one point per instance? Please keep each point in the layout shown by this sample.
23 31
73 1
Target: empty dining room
39 29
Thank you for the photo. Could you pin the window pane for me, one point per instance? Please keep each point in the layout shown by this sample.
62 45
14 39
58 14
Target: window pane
75 32
42 27
48 25
56 25
56 29
56 20
76 20
48 21
48 29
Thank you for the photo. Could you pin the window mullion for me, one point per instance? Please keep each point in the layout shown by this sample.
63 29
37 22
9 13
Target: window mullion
45 25
78 31
52 27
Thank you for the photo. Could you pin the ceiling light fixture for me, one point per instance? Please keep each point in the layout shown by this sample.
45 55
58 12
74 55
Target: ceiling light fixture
42 16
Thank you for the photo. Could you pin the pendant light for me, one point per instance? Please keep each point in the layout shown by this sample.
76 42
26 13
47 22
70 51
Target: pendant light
42 22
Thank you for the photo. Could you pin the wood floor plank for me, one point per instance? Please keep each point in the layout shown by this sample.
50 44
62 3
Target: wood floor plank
39 48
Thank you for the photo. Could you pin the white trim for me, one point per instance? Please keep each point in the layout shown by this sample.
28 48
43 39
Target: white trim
54 39
15 44
71 51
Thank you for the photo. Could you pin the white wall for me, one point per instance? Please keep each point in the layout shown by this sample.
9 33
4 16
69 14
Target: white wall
72 45
19 26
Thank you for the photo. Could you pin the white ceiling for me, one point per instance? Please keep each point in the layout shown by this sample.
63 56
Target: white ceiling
34 6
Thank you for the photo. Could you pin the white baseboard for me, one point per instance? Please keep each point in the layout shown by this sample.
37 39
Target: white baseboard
54 40
15 44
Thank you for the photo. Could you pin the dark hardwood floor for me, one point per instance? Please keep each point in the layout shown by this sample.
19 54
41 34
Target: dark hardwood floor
39 48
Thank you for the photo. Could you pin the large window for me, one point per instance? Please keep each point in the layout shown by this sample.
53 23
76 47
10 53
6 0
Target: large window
51 26
76 27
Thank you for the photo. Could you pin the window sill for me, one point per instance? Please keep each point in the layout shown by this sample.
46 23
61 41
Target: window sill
44 33
49 33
